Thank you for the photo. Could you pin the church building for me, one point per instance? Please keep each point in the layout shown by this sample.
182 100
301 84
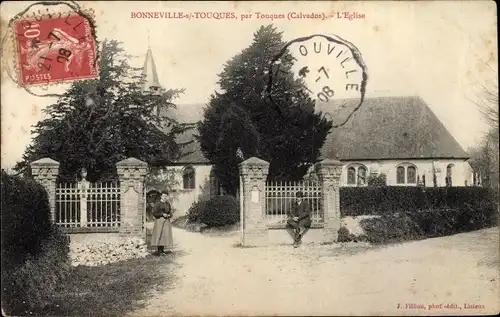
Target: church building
399 137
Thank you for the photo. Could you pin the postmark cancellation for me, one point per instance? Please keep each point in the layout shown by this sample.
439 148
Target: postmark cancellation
332 72
53 47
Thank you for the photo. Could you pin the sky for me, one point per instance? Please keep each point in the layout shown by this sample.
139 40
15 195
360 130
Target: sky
436 50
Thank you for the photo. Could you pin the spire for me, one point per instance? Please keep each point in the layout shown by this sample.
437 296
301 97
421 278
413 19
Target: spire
149 71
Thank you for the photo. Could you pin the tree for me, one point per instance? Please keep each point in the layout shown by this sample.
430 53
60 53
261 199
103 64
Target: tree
485 156
377 180
484 161
290 139
487 103
98 122
226 129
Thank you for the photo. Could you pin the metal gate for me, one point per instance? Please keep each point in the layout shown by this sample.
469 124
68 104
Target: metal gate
85 204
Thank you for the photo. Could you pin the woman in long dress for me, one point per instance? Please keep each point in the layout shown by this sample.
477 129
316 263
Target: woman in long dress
162 231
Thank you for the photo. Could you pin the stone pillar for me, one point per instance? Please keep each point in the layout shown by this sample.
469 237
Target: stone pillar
131 173
328 172
253 174
45 171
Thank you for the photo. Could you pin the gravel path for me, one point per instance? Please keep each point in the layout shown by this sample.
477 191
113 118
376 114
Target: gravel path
216 278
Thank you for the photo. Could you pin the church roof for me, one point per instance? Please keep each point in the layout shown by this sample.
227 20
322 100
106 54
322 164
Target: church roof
149 71
382 128
391 128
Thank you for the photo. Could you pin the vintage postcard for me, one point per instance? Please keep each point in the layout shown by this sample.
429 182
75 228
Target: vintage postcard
249 158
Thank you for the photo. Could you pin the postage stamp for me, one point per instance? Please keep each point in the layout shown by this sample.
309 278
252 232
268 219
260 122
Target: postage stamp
331 71
54 48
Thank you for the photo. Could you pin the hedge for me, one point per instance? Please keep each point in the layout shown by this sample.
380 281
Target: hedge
427 223
30 287
357 201
220 211
25 219
34 252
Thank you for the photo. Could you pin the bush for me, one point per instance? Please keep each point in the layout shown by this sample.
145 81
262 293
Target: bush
343 235
221 211
195 211
30 287
427 223
378 180
25 218
34 252
380 200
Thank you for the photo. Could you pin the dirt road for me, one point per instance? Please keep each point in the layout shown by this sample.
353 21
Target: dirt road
216 278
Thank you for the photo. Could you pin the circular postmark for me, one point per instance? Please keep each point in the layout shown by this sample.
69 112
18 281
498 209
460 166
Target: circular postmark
50 43
328 69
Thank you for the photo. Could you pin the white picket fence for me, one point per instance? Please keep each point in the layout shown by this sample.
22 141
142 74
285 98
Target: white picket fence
85 204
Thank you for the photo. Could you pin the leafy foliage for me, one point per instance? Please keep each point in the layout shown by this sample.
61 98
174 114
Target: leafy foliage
287 132
196 210
220 211
226 128
427 223
356 201
343 235
25 219
378 180
34 252
29 287
98 122
158 179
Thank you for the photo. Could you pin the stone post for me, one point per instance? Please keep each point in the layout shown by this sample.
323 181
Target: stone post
328 172
83 187
45 171
253 174
131 173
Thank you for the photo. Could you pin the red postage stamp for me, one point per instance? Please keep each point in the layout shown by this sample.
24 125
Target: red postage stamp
55 49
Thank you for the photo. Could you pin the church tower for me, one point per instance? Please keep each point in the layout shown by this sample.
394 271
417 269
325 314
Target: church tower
151 81
149 72
150 76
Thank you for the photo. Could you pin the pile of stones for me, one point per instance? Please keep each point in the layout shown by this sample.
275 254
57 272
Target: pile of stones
97 253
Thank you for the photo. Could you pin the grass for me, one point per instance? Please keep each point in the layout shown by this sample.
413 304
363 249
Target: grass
110 290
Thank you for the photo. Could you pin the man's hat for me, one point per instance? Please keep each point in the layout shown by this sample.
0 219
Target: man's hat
299 194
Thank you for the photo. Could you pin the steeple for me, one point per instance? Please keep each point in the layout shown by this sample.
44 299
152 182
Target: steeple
149 72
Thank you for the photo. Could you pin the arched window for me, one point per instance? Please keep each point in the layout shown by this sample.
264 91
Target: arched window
351 176
449 172
411 175
400 175
356 175
188 177
406 174
361 175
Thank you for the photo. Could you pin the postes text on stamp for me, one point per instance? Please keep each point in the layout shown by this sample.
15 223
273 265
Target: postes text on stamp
55 48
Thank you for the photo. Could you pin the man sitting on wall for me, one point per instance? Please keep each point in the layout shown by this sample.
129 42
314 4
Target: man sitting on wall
299 217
